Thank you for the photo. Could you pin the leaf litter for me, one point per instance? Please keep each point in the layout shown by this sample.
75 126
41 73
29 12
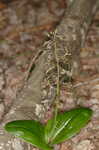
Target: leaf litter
19 39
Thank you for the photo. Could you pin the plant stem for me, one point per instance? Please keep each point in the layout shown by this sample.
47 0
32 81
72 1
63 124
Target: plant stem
58 75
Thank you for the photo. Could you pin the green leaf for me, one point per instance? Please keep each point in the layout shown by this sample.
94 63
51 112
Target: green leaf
30 131
67 124
52 125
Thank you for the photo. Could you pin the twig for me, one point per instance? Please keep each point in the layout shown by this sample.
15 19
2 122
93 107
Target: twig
31 64
86 83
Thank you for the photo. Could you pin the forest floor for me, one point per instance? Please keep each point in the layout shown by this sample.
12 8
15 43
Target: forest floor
23 28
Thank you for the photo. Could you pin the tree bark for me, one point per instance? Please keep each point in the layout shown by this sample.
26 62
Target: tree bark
74 27
70 38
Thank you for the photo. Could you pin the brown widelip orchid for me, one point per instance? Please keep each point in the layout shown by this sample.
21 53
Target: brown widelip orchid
61 127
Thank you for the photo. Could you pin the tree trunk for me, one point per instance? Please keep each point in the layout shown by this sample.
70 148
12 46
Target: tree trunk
69 38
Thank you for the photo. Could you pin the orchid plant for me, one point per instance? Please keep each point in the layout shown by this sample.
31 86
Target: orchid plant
61 127
58 129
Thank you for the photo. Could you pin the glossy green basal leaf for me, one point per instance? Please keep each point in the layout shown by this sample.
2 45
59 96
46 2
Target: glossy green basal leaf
61 121
30 131
68 124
